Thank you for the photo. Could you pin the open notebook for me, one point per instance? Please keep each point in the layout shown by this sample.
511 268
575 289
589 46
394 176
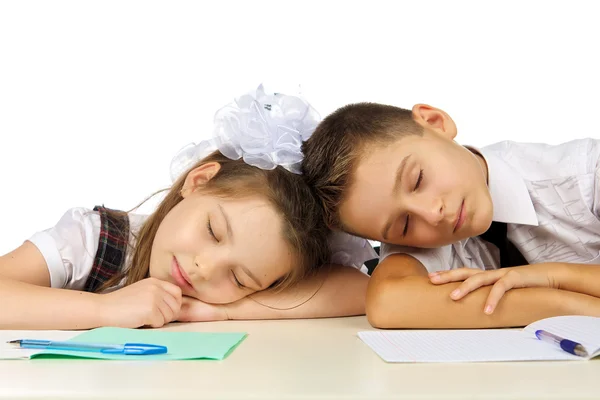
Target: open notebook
485 345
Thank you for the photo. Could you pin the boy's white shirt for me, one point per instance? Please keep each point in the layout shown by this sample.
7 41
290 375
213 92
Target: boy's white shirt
550 197
70 247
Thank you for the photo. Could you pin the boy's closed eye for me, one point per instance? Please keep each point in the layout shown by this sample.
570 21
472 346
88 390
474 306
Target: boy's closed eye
419 180
416 187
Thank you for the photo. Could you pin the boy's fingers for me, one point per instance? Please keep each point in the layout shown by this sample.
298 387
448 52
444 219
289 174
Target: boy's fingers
502 286
454 275
474 282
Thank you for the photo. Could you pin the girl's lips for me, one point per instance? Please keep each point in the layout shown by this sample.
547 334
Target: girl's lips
181 278
461 216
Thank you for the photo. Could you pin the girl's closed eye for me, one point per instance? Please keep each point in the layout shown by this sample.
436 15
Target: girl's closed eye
237 282
210 230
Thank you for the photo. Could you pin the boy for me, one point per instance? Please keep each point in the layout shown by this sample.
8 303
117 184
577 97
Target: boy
398 176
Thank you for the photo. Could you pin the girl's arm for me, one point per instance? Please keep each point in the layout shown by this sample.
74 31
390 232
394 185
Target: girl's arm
27 306
400 295
28 302
335 291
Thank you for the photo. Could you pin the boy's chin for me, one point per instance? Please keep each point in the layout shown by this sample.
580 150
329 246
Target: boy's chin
481 226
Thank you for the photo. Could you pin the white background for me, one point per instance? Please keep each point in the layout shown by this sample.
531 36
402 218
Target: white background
96 97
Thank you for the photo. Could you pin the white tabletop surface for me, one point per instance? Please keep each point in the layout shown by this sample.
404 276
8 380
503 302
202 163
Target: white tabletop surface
295 359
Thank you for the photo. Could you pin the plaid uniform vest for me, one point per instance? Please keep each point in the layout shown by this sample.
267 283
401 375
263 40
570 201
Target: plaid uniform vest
112 245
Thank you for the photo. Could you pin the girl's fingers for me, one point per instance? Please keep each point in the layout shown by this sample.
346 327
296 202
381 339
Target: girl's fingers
174 305
173 290
166 310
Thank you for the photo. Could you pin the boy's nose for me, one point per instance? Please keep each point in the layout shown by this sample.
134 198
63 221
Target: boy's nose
430 210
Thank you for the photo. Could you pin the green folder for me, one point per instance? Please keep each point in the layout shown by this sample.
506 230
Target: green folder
180 345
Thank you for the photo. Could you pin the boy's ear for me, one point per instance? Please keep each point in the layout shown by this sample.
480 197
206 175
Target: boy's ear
198 177
434 119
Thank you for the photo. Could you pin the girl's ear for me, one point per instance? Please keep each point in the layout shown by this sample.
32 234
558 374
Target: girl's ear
198 177
434 119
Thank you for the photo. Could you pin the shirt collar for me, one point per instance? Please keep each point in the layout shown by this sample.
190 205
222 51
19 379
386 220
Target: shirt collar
510 196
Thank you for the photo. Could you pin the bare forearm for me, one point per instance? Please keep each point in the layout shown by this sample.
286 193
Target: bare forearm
413 302
580 278
26 306
333 292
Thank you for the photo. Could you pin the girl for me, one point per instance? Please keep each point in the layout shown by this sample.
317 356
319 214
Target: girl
236 222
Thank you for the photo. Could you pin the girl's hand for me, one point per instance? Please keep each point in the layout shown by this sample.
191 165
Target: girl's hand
149 302
194 310
536 275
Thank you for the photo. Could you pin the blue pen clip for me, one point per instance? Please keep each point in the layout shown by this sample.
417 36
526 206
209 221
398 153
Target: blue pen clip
136 349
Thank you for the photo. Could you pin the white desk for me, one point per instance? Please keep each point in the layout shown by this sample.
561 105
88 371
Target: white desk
294 360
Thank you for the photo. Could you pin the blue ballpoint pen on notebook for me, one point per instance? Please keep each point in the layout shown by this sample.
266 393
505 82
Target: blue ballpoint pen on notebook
567 345
106 348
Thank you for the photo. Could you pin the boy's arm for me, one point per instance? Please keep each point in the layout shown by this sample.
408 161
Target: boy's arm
400 295
334 291
579 278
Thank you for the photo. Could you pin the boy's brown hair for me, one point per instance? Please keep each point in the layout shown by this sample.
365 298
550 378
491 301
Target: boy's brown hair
332 153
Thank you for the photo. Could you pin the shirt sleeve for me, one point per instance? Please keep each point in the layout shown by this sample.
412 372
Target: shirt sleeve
595 207
70 247
351 251
439 259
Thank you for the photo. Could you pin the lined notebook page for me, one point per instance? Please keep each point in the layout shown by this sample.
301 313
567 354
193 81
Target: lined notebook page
460 346
584 330
485 345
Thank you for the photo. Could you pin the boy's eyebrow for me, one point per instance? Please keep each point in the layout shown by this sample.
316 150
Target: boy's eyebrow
229 231
399 172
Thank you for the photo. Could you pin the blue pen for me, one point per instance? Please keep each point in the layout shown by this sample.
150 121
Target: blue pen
127 348
567 345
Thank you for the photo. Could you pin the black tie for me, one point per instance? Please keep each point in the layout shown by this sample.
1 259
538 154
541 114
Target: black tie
510 256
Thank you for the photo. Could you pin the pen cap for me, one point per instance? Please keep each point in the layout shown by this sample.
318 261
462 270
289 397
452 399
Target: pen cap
568 346
137 349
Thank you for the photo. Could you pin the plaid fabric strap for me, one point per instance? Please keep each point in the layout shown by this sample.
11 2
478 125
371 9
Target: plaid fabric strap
110 257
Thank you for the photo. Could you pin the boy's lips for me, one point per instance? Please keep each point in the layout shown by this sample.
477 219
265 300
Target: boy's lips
460 219
181 278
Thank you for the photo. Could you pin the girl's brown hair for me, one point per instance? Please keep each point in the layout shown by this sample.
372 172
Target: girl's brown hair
303 225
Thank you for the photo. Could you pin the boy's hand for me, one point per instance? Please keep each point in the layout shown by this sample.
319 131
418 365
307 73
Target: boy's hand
149 302
194 310
503 280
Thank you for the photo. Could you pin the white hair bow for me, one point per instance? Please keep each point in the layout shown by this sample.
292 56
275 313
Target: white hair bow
266 130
